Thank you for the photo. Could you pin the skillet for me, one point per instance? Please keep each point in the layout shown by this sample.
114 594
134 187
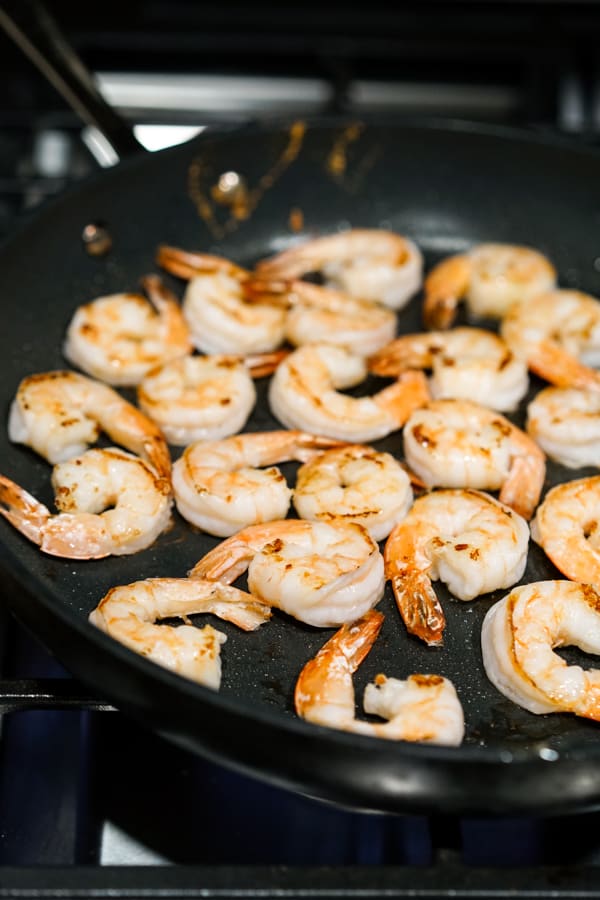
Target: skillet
447 186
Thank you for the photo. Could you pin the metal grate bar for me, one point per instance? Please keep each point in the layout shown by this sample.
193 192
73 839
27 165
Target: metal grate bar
289 883
20 695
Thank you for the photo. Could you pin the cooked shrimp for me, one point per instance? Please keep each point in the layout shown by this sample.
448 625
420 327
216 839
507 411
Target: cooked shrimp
321 314
110 502
455 443
491 278
119 338
58 414
220 487
302 395
565 422
204 397
369 263
566 527
356 483
558 333
422 708
465 538
128 613
322 574
519 634
220 316
466 363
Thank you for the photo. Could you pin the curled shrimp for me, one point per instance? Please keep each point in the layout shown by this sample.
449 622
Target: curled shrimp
318 313
490 277
466 363
565 422
119 338
423 708
110 502
459 444
356 483
558 333
302 394
220 316
129 613
223 486
369 263
518 637
323 574
198 398
566 527
465 538
58 414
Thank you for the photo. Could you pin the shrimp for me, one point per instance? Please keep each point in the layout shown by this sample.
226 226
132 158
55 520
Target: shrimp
465 538
220 488
565 422
58 414
369 263
110 502
558 333
128 614
120 337
321 314
220 316
566 527
458 444
491 277
204 397
422 708
356 483
519 634
466 363
302 395
323 574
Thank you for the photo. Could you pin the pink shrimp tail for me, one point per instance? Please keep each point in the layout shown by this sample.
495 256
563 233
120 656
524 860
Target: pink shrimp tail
22 510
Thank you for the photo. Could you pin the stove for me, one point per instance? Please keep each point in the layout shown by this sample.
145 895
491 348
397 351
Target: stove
93 804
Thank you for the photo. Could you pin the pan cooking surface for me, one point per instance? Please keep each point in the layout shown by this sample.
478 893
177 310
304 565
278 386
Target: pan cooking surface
445 188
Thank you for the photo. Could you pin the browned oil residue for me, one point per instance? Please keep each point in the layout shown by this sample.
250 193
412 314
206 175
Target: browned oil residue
246 202
296 219
337 161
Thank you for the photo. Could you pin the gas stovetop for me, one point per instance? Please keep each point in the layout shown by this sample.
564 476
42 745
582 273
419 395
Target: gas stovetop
91 803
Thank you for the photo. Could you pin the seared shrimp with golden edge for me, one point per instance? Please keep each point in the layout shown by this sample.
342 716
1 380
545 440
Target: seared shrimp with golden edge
304 394
119 338
323 574
355 483
558 333
110 502
490 277
465 363
368 263
318 313
58 414
465 538
422 708
129 613
458 444
204 397
223 486
518 638
566 528
565 422
220 316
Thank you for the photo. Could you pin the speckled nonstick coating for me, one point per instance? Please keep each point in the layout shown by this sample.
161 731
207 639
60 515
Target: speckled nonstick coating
447 187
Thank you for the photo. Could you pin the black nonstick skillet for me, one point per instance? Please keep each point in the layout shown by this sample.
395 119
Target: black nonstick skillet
448 186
